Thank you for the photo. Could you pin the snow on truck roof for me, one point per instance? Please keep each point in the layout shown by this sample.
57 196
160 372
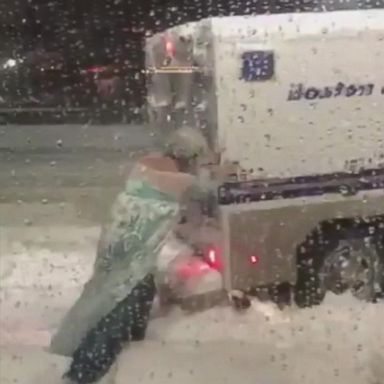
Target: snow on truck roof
299 24
290 25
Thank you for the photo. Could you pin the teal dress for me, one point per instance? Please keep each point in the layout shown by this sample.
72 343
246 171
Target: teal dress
141 219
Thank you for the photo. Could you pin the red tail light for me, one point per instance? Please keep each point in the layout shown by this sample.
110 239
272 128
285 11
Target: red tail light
254 260
169 48
213 257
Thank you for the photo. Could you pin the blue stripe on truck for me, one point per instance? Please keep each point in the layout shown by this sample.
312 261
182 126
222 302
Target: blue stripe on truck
236 192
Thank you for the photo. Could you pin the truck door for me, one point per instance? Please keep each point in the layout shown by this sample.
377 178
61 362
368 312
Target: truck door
177 86
159 95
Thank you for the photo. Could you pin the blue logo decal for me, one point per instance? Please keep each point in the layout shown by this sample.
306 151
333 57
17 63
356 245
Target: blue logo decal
258 65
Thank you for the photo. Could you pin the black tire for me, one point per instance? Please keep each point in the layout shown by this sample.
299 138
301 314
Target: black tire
310 289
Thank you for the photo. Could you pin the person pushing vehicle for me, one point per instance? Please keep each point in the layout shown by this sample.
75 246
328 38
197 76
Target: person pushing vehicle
115 304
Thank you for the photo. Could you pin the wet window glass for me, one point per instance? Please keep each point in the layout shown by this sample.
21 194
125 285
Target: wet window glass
192 192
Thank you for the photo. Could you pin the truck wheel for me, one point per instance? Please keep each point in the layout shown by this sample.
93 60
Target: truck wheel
352 264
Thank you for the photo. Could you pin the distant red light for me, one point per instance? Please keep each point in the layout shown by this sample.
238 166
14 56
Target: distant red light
254 259
97 69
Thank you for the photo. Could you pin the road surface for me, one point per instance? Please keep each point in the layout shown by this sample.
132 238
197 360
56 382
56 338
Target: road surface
72 137
65 168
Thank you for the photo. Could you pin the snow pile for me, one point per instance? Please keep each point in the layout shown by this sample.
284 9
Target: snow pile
339 342
38 285
30 365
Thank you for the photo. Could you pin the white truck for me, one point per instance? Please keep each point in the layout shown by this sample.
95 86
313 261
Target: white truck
294 104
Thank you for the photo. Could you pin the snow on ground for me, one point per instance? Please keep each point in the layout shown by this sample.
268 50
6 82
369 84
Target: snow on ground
39 279
341 341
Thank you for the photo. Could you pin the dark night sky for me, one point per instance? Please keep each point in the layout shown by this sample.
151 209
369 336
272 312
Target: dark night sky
94 25
99 32
12 12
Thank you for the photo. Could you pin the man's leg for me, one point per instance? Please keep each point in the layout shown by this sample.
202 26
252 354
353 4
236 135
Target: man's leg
100 348
141 303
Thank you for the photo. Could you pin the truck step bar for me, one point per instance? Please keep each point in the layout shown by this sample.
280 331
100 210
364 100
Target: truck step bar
237 192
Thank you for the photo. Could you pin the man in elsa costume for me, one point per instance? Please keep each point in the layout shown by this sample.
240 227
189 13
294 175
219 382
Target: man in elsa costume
115 304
